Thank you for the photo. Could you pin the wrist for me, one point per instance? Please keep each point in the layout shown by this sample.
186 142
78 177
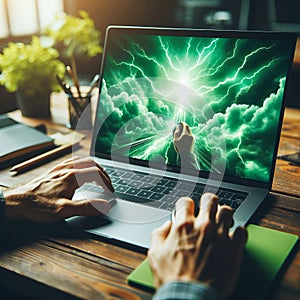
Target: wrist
12 203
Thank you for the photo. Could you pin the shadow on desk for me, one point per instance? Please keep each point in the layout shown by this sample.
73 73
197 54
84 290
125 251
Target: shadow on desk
26 233
23 233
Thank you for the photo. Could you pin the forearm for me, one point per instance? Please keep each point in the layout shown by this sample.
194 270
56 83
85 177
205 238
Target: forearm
188 162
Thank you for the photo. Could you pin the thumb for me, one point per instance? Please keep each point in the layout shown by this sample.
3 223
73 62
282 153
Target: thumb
90 207
240 236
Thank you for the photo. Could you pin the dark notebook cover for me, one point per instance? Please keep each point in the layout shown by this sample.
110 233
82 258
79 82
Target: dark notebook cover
266 250
19 141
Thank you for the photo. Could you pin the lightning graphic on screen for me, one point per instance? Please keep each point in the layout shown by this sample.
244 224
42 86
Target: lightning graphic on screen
228 91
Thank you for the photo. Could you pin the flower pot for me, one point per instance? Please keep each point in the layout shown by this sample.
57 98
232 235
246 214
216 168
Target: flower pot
8 101
34 106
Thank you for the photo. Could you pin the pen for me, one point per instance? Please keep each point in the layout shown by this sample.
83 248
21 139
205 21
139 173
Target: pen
74 102
63 85
74 79
66 88
33 162
93 84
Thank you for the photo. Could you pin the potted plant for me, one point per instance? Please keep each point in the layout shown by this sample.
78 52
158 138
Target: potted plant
31 69
74 37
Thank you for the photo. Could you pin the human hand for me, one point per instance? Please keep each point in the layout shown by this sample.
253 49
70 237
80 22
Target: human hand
182 138
48 198
198 248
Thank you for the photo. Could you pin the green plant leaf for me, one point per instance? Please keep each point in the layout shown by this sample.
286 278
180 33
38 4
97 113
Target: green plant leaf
76 35
30 67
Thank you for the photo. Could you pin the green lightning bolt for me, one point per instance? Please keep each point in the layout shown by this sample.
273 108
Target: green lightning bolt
238 83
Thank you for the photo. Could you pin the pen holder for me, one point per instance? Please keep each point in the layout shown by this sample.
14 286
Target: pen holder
80 115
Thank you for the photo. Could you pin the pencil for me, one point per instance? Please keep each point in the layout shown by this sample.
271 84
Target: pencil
66 88
42 158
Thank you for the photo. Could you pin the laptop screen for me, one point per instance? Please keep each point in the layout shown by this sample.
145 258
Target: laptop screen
226 87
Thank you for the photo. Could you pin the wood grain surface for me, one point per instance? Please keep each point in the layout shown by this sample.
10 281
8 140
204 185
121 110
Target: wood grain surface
54 262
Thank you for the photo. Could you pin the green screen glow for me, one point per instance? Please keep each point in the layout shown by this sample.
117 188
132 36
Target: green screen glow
229 91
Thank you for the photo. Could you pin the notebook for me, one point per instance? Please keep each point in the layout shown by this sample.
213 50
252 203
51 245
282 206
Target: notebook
266 251
227 87
20 142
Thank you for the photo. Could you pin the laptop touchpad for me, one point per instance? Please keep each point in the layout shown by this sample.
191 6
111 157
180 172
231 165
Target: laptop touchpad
128 212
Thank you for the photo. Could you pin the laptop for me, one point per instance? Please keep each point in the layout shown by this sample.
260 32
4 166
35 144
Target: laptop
226 87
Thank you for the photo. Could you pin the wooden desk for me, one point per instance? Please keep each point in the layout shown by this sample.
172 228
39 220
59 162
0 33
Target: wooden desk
50 262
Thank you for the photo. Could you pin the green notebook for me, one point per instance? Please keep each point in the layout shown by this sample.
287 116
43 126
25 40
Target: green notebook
266 251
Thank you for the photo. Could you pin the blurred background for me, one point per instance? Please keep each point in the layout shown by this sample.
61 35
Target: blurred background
19 20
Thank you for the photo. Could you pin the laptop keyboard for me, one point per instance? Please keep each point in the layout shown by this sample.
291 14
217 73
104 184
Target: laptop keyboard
163 192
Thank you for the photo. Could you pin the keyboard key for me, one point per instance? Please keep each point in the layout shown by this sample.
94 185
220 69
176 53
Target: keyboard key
210 189
132 191
147 186
169 207
169 199
158 189
225 195
161 182
134 184
120 173
195 196
185 187
235 205
182 194
144 194
136 177
121 188
156 196
199 189
239 196
148 179
224 202
171 183
114 179
131 198
169 191
122 182
109 170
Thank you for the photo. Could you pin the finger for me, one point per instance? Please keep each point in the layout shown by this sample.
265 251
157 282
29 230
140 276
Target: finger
73 163
184 210
176 132
103 171
83 163
94 207
159 235
208 209
79 163
71 159
94 174
107 181
88 162
224 219
63 164
185 129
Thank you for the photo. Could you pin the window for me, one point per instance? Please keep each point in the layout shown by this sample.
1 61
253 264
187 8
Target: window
27 16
